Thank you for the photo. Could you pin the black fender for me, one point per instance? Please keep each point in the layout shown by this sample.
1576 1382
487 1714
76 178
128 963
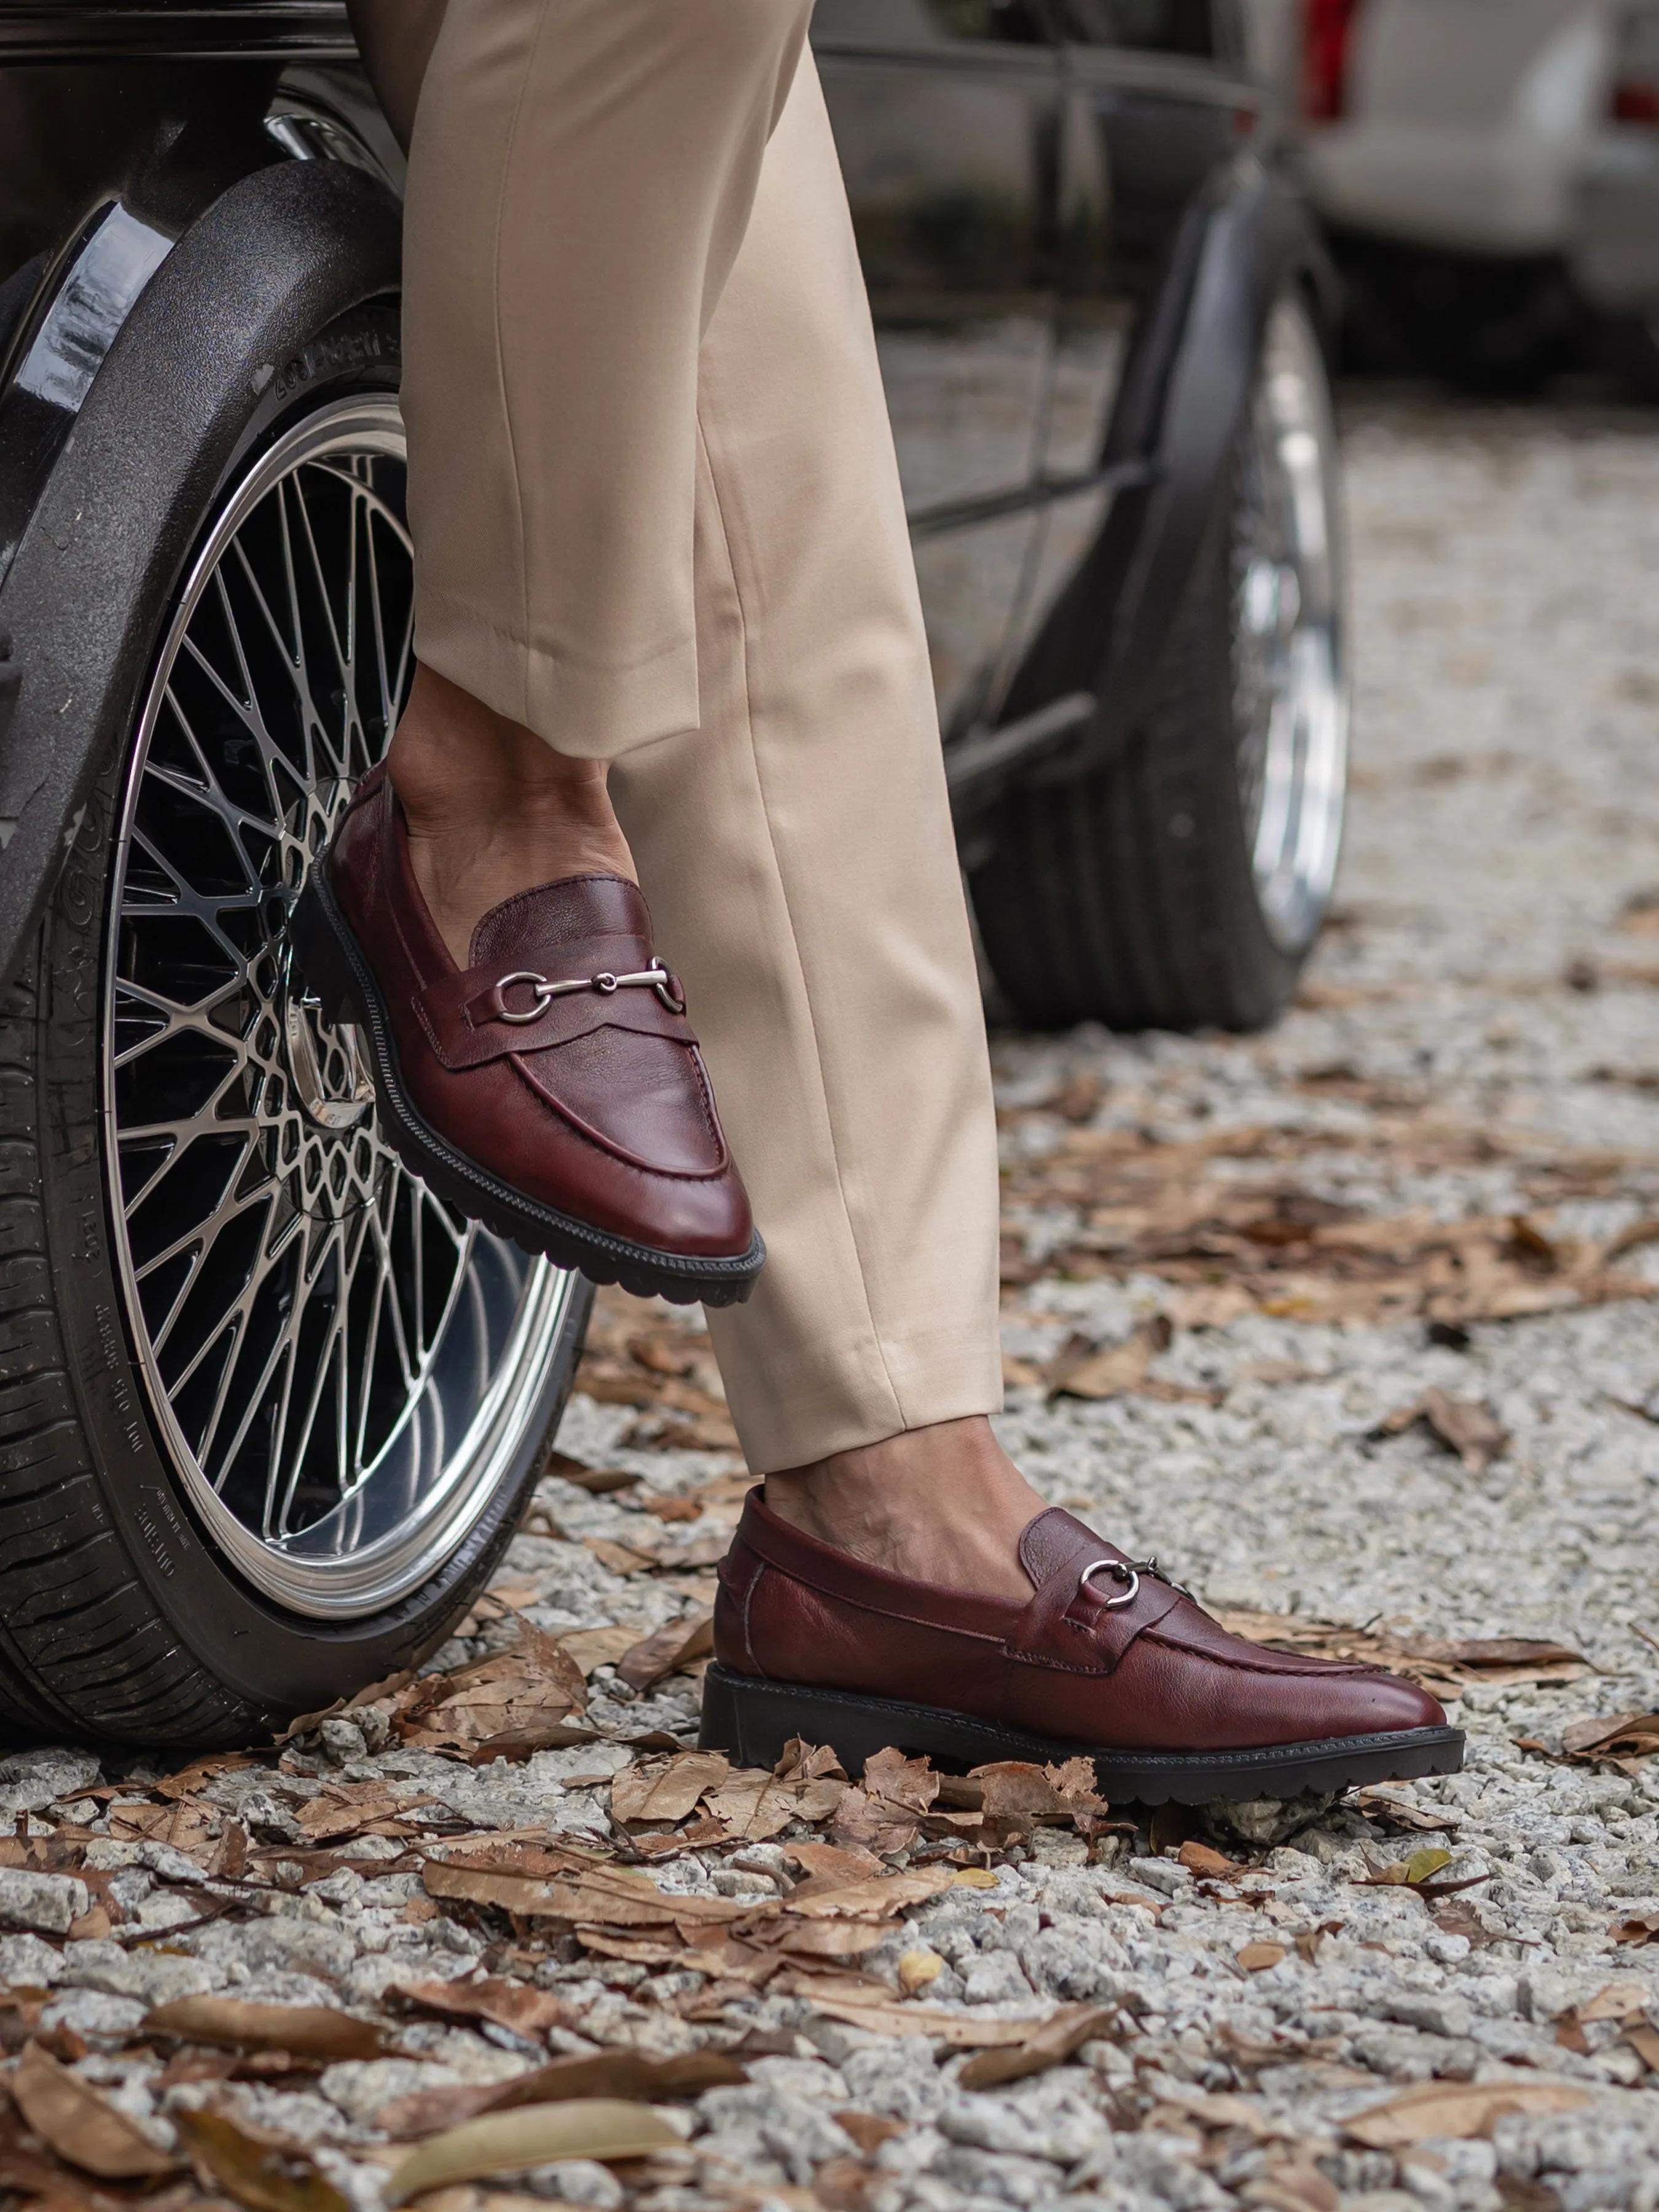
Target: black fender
201 357
1186 385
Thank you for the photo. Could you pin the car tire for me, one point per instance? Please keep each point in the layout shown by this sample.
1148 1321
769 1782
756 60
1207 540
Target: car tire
269 1412
1181 885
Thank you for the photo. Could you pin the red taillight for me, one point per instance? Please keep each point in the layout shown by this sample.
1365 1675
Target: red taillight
1329 24
1635 102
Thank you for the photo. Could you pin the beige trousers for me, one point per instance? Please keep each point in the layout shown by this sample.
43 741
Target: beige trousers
658 519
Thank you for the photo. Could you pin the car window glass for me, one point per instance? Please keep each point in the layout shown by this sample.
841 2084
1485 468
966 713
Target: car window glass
929 23
1018 20
1179 27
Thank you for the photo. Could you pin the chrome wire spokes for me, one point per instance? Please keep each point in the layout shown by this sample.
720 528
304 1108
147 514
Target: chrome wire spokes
342 1362
1290 678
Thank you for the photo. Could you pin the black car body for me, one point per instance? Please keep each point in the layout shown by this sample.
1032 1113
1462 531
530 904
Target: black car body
223 1498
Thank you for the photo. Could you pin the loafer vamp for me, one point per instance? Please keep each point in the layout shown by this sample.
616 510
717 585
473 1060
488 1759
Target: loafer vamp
562 1060
1108 1653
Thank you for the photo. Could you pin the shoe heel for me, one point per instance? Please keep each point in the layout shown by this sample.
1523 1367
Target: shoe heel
319 960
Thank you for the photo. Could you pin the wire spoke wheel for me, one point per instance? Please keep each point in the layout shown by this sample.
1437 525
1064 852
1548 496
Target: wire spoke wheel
343 1367
1289 681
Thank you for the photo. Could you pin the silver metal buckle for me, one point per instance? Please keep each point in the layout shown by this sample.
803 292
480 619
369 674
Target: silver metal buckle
655 978
1124 1571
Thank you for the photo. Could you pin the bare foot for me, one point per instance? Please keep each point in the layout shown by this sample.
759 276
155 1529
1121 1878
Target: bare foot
941 1505
492 810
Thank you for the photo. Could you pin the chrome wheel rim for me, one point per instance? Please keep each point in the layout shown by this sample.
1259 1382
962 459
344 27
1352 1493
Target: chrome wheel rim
1290 655
343 1371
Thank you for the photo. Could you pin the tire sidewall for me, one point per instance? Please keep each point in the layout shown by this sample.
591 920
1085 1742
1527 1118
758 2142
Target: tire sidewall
271 1661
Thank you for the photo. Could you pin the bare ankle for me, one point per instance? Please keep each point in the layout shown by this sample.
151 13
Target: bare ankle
943 1504
491 810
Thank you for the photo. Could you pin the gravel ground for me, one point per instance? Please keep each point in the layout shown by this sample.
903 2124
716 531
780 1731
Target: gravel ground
1478 1038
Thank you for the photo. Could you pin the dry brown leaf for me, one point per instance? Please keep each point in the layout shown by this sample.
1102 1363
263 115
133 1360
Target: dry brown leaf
1461 1424
527 2012
831 1897
1113 1373
80 2124
1644 2042
1460 2110
620 2073
307 2031
535 2135
885 1814
1208 1865
916 1969
1015 1787
621 1558
667 1651
267 2173
1627 1736
525 1697
807 1785
598 1647
851 1864
1257 1958
666 1788
894 2016
1054 2043
186 1826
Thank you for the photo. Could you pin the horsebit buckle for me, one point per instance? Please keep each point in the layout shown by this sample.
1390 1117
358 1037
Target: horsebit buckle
656 977
1127 1571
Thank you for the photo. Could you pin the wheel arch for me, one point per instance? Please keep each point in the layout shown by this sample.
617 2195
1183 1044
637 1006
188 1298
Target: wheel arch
282 253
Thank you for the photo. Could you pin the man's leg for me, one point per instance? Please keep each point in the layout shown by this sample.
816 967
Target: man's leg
798 854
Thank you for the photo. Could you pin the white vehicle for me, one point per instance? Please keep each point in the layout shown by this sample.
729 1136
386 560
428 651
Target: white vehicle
1612 240
1446 145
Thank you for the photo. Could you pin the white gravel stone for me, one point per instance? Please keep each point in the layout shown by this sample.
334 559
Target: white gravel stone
44 1902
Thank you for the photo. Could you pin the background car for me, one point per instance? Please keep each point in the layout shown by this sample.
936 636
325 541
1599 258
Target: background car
1443 143
269 1412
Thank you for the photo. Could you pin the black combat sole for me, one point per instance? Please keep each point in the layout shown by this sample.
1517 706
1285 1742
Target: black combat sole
335 967
751 1721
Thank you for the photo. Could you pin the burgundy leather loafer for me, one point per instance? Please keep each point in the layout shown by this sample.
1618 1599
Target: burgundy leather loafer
1109 1659
553 1089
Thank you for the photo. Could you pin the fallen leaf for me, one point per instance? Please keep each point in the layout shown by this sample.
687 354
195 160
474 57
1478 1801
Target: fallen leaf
1209 1865
666 1788
307 2031
1017 1787
598 1647
525 1697
185 1825
1054 2043
80 2124
537 2134
869 2130
1644 2042
266 2174
884 1815
667 1651
1461 1424
893 2016
1379 1804
916 1969
1422 1866
513 2005
1458 2110
852 1863
1632 1735
621 1558
1257 1958
1113 1373
598 1481
632 2074
1641 1927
